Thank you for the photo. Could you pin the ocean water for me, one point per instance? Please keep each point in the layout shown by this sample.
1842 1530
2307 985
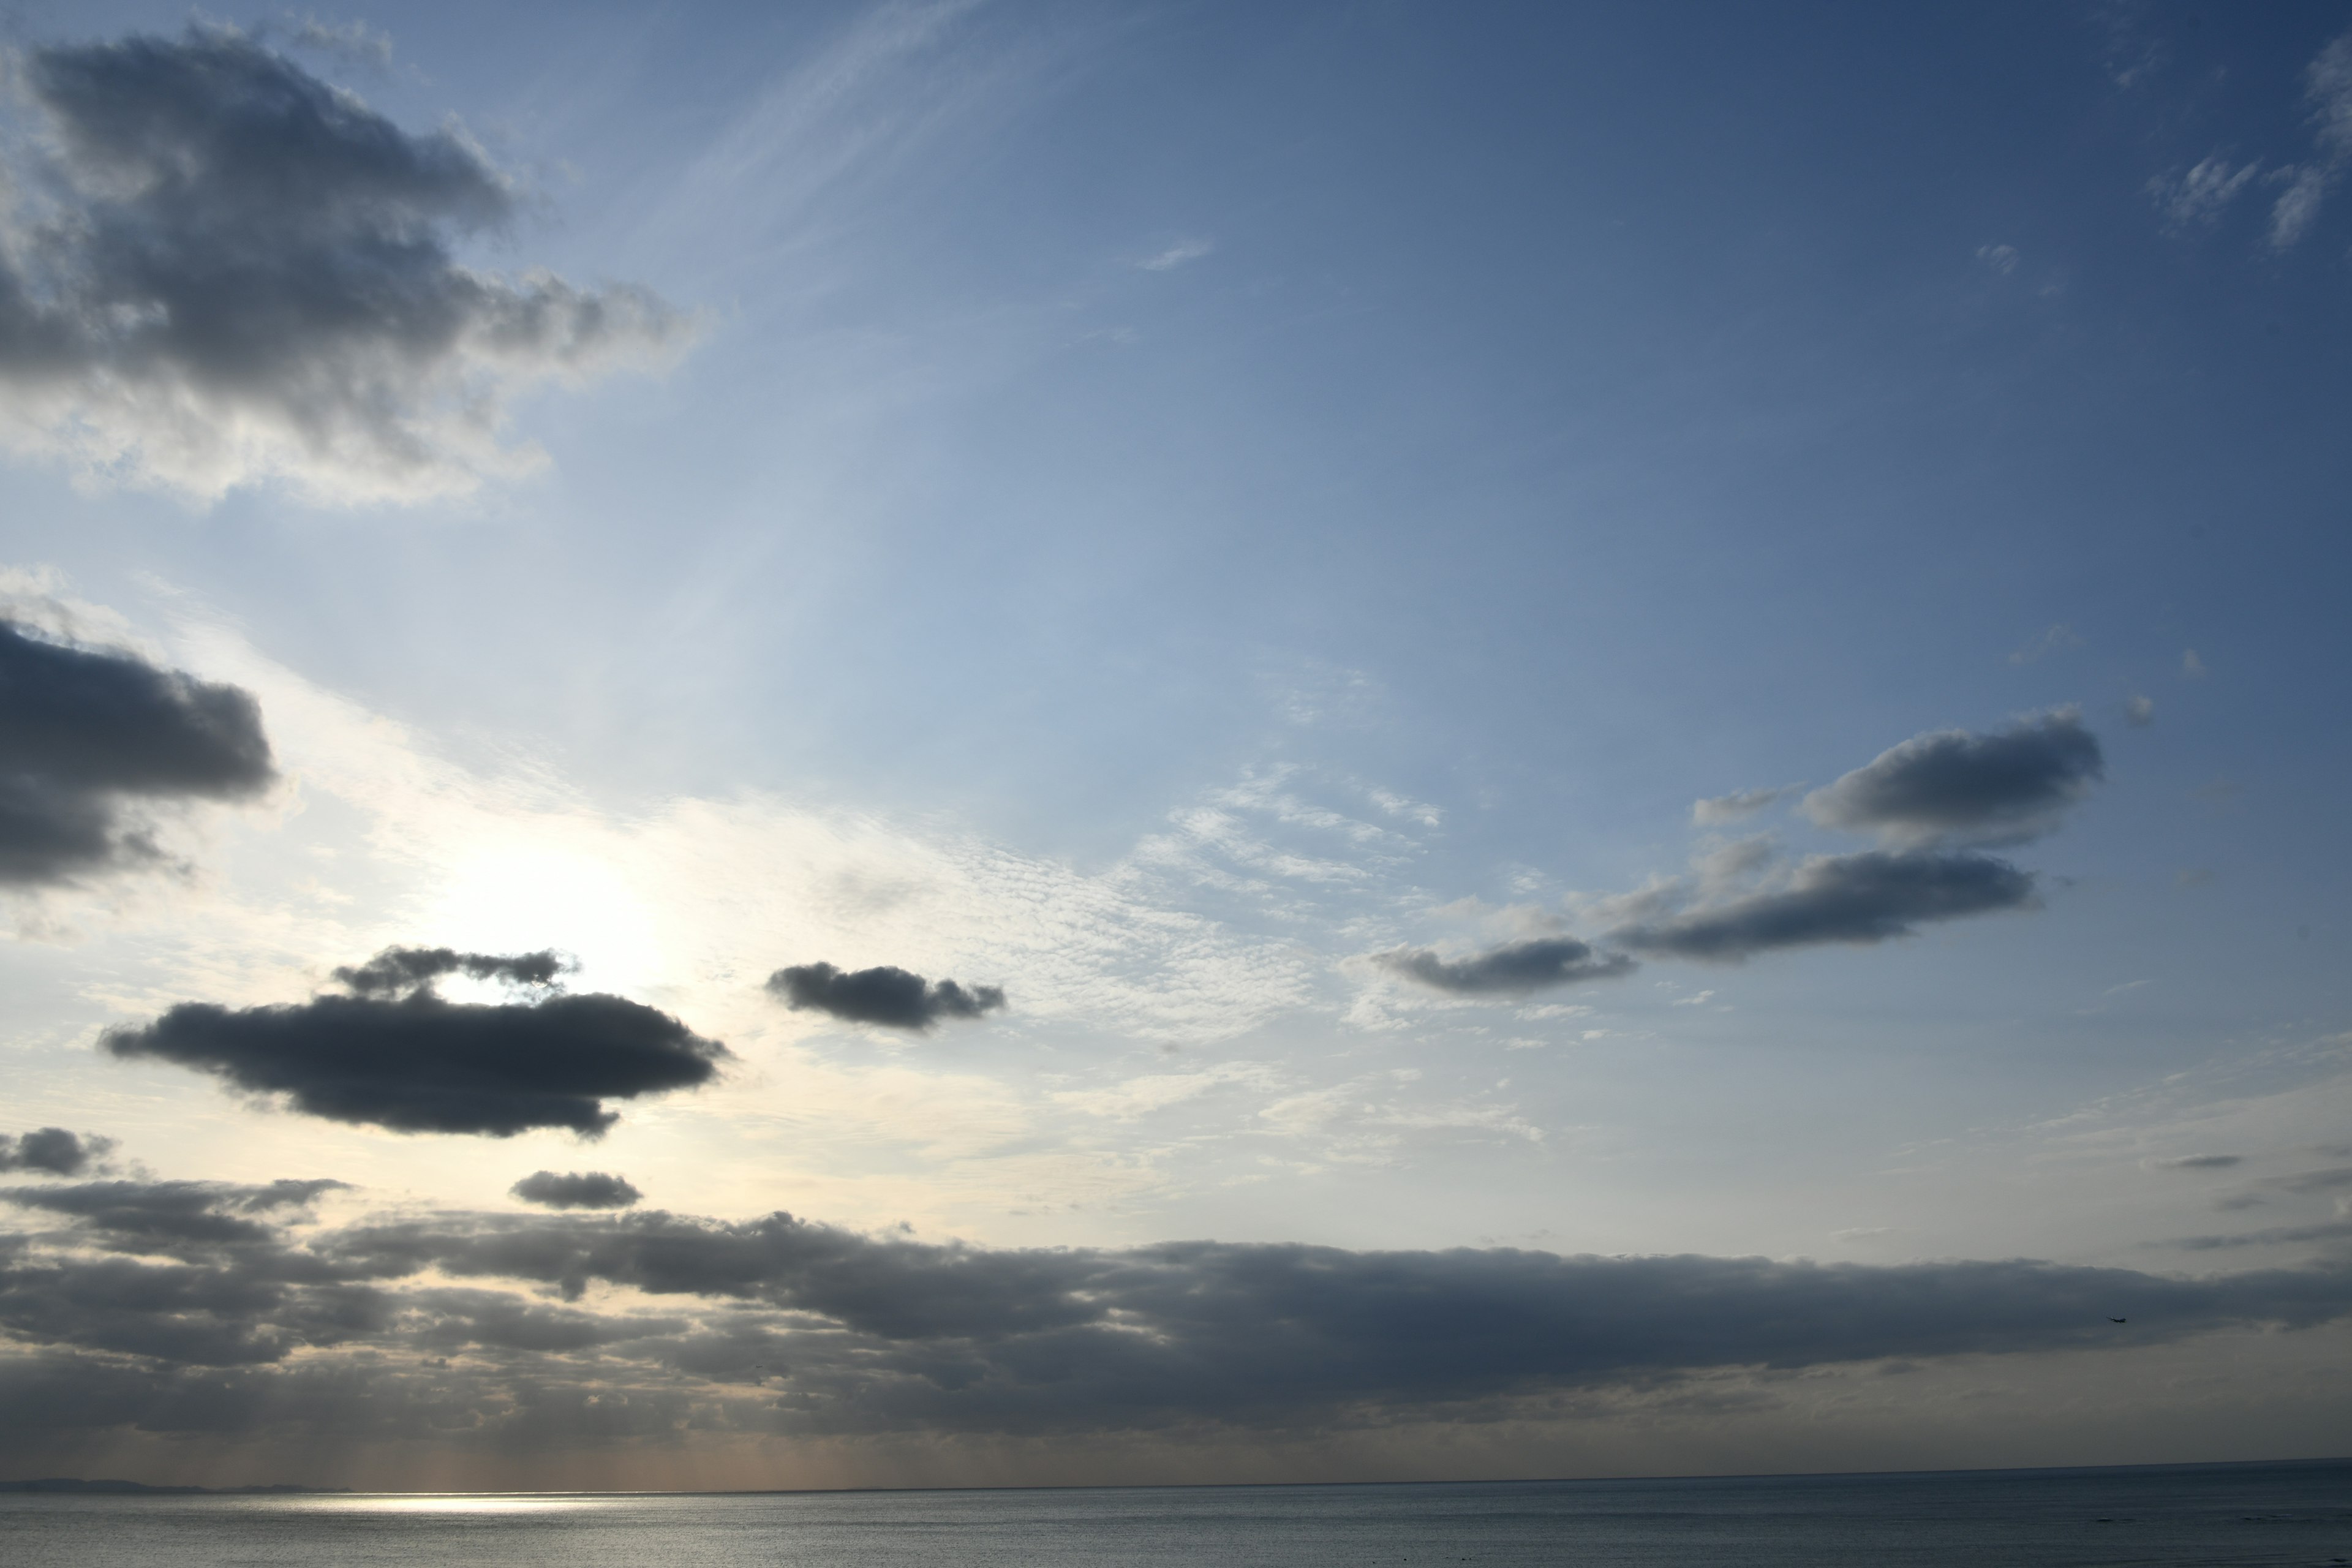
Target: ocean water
2205 1515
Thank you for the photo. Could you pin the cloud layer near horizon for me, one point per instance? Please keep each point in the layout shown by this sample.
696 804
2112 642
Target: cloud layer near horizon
186 1306
216 269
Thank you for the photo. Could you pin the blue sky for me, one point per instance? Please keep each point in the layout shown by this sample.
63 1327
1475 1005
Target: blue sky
1153 508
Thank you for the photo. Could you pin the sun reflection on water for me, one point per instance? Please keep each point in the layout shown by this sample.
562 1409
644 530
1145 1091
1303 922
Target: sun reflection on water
453 1502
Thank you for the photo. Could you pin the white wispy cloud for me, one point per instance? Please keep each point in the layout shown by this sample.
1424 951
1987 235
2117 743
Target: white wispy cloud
1177 255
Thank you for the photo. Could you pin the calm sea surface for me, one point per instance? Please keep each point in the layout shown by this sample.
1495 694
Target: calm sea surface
2203 1515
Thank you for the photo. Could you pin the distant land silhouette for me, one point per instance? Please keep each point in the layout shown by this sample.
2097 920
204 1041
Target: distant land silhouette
67 1484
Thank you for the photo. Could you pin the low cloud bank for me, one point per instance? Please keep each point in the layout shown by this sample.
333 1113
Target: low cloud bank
241 1315
893 997
88 738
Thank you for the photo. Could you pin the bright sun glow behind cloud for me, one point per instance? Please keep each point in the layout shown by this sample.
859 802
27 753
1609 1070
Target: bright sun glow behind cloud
510 895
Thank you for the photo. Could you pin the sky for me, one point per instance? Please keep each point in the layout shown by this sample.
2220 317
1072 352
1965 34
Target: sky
957 743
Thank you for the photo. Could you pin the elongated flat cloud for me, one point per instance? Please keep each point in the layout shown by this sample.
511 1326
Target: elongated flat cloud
164 1216
1865 897
893 997
52 1151
251 1326
577 1190
1715 810
420 1064
396 970
88 738
1952 786
216 269
1514 968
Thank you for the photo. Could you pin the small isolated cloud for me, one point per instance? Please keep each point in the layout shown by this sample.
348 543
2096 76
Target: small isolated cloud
2191 666
2327 90
577 1190
1715 810
88 738
1510 970
1177 255
421 1063
401 969
1955 786
2197 1163
53 1151
2043 645
2001 258
1863 899
892 997
216 271
2140 712
2195 197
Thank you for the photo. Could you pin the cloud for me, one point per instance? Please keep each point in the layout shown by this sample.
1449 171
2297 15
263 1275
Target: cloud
1512 969
2140 712
353 41
216 269
437 1325
2001 258
164 1216
577 1190
1715 810
2197 1163
1177 255
420 1064
398 969
893 997
87 737
2191 666
54 1150
1954 786
2057 639
2198 195
1863 898
2327 90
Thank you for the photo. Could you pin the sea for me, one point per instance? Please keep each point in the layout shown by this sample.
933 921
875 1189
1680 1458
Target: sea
2204 1515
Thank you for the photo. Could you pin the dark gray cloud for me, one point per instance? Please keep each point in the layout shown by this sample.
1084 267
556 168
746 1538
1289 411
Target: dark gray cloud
220 269
1512 969
895 998
1863 898
162 1215
781 1325
54 1150
421 1063
88 738
577 1190
401 969
2197 1163
1955 787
